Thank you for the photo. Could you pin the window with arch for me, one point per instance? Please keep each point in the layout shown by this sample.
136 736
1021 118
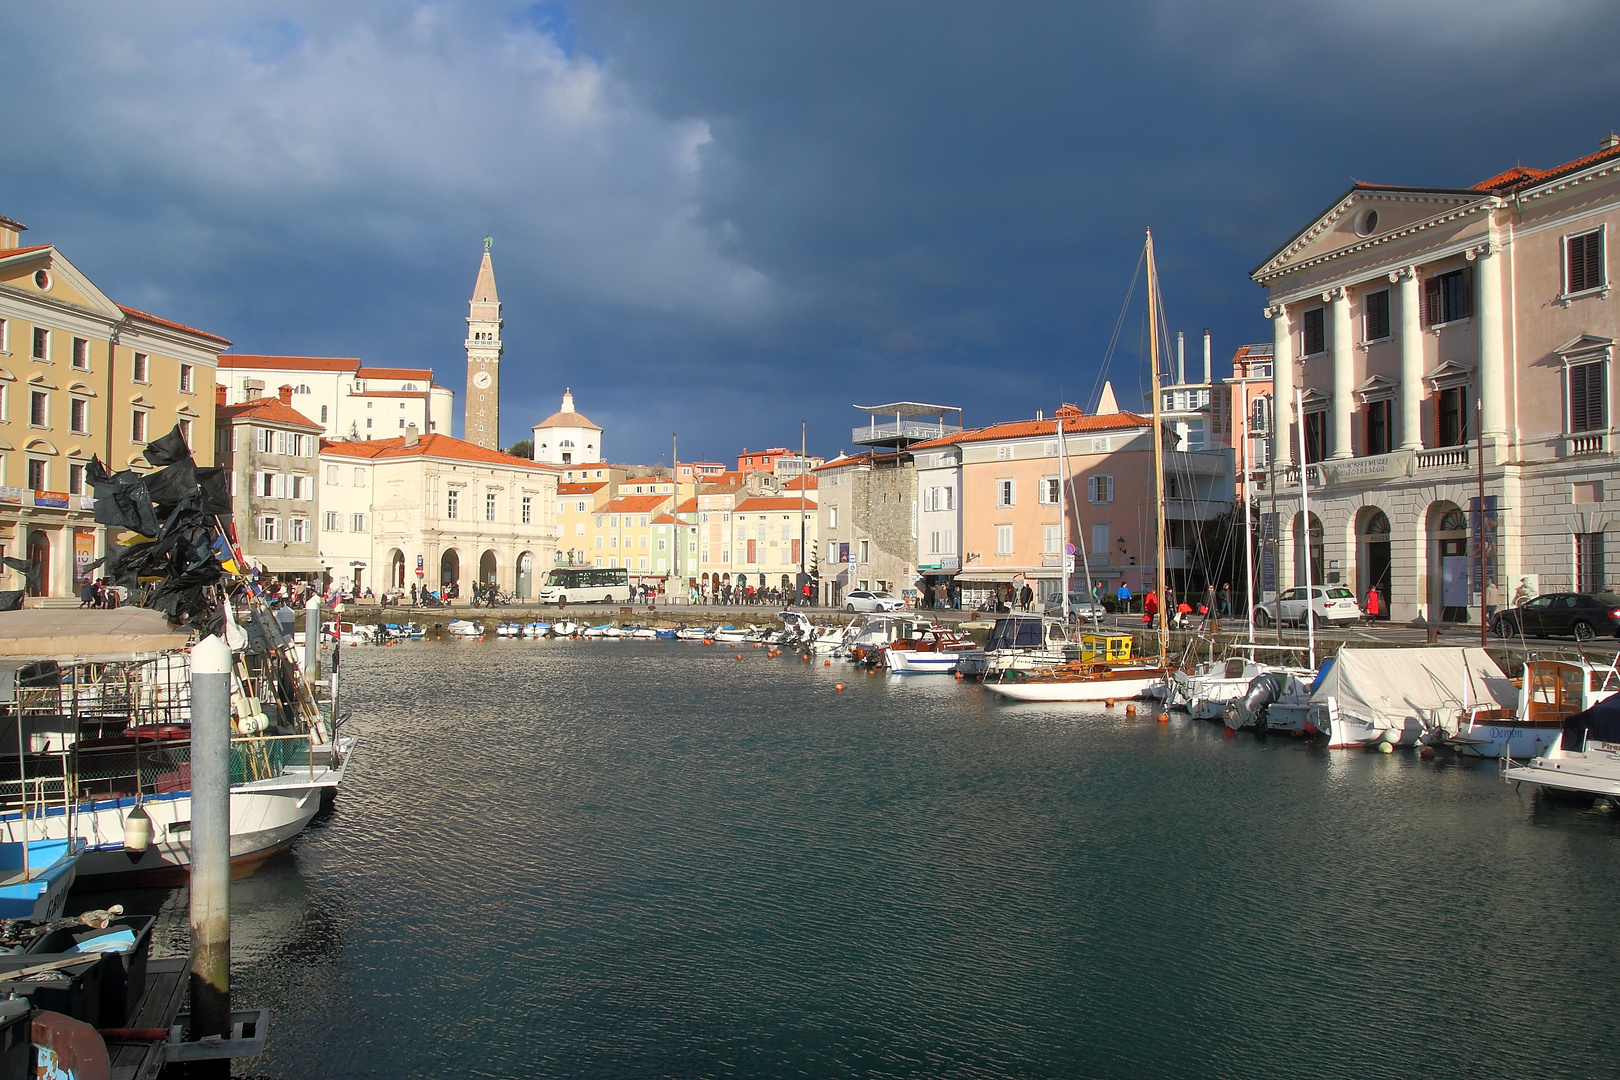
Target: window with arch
1377 525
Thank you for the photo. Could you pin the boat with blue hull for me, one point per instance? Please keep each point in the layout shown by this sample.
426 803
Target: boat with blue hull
35 877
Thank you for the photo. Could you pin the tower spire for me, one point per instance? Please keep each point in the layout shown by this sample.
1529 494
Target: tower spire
482 422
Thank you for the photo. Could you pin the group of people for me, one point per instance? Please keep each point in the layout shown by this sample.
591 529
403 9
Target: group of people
744 595
100 594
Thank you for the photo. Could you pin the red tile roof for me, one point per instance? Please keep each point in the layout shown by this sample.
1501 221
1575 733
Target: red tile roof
581 489
268 410
402 373
433 446
6 253
633 504
171 324
800 481
290 363
1524 176
15 225
688 507
664 519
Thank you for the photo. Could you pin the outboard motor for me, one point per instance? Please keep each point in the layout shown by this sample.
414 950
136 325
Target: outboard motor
1248 713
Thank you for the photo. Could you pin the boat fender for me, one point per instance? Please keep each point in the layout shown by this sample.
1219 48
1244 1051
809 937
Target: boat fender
137 833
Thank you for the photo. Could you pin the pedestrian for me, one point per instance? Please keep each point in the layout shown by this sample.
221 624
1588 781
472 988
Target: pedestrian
1183 610
1374 608
1026 597
1150 604
1226 600
1124 597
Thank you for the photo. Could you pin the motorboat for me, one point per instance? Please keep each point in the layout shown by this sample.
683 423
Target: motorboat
1584 760
1278 699
536 629
1394 696
566 628
1021 642
465 628
413 631
666 633
347 633
639 633
695 633
1209 691
1105 671
35 876
508 629
1550 692
730 633
933 651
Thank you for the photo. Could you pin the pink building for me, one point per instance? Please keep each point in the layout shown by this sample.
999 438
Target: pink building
1418 329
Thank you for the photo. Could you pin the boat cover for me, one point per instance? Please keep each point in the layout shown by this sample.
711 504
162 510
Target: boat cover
1386 687
85 633
1600 722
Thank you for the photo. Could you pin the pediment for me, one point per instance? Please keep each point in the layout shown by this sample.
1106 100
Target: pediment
1315 399
1376 388
1584 343
1362 218
67 283
41 446
1449 373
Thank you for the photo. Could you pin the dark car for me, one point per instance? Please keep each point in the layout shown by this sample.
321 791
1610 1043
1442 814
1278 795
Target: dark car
1578 615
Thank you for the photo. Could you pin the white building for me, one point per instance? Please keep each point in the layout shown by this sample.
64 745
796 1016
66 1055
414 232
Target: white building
567 437
939 514
348 399
441 511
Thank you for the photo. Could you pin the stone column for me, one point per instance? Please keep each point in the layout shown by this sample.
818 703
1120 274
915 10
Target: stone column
1411 358
1492 373
1344 372
1282 382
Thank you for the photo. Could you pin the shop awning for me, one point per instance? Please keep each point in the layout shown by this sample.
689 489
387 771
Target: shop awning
288 564
993 577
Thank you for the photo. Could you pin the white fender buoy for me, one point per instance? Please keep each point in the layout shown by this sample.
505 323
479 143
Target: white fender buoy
137 833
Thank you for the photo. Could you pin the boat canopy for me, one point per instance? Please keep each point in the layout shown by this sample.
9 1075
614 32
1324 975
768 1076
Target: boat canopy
1020 632
1386 687
1600 722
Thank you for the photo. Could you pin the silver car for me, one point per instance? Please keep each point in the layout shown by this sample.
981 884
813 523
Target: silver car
1329 603
867 600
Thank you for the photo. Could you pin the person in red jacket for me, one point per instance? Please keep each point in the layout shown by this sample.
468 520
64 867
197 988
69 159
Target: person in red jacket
1150 607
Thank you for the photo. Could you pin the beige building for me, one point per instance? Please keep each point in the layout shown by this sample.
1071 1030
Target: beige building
444 512
269 451
349 399
80 377
1416 329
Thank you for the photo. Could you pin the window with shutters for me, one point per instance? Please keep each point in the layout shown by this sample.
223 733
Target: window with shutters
298 530
1588 391
137 427
1446 297
332 520
1375 315
1258 413
1100 488
1049 490
1051 539
357 523
1453 418
79 416
1378 413
1006 492
1583 263
1315 436
1004 539
1314 332
1099 541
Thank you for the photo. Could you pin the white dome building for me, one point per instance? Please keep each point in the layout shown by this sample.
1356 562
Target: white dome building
567 438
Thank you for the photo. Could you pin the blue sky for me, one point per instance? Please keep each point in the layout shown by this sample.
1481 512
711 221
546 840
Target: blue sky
718 218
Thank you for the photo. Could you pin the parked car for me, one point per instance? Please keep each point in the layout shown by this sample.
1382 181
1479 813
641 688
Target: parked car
1331 604
1081 607
866 600
1579 615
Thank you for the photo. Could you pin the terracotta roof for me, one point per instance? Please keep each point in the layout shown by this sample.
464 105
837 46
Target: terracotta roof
633 504
688 507
844 461
568 419
171 324
800 481
769 502
432 445
420 374
581 489
6 253
269 410
17 225
664 519
290 363
1524 176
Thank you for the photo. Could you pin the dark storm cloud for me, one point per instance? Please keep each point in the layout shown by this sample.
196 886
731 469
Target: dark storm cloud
718 218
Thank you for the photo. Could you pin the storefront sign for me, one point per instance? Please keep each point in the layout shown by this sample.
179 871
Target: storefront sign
84 553
57 499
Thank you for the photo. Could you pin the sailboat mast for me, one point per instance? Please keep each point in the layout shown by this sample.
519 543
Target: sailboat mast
1248 515
1158 452
1063 517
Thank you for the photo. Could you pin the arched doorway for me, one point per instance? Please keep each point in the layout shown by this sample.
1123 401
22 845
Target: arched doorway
1318 564
396 569
449 569
1373 558
1448 563
525 575
487 568
39 558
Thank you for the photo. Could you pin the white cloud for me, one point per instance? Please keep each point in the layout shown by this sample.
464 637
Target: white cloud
391 124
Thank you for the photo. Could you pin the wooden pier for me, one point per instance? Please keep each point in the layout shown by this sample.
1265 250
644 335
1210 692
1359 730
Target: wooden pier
161 1002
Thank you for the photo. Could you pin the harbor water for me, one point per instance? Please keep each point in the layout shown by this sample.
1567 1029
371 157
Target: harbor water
648 859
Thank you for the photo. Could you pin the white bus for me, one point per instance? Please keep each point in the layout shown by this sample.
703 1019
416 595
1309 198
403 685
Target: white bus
585 585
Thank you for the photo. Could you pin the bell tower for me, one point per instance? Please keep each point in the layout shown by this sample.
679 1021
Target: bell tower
482 423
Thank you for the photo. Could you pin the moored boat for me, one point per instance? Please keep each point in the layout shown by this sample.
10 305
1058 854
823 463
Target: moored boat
1550 692
1585 759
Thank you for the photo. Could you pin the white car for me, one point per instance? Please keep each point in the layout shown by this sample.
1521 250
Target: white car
866 600
1330 603
1080 606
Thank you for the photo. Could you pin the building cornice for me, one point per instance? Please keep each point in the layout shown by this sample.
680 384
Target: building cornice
1280 265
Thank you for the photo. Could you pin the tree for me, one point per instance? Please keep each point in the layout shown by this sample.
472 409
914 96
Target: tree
523 448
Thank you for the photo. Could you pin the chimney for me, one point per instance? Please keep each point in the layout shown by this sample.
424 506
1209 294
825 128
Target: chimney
1181 358
1208 369
410 435
252 389
10 232
1608 142
220 396
285 394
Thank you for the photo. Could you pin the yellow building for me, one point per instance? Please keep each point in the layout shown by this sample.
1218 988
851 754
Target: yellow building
577 504
82 377
624 532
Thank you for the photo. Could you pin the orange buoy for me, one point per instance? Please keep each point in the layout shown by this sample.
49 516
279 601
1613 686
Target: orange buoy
826 663
739 656
1229 733
756 644
838 686
958 676
1164 718
1109 703
1130 710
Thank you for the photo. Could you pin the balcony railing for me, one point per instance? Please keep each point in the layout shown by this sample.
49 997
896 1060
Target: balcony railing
1590 443
1447 457
875 434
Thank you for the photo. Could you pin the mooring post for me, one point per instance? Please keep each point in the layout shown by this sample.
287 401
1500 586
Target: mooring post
211 844
312 639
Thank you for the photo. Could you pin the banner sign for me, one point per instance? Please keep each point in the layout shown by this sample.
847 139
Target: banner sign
84 553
